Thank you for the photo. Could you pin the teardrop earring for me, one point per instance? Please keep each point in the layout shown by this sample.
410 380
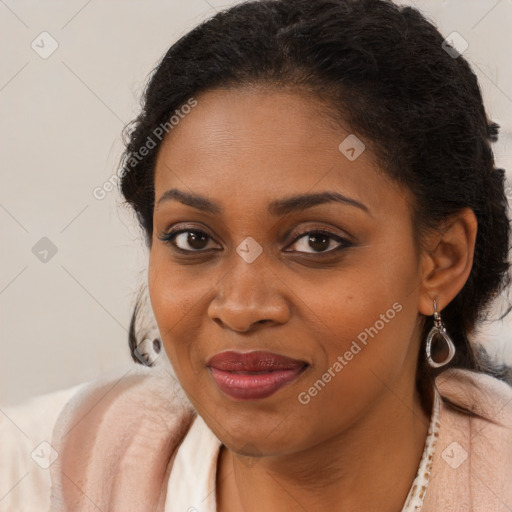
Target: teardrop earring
439 331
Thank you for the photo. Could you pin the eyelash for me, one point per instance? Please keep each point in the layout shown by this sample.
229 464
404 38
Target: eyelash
169 237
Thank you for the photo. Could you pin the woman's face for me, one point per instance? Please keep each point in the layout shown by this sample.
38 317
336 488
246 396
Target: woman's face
246 274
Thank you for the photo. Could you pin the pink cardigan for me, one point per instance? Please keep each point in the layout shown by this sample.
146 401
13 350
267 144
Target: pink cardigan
117 440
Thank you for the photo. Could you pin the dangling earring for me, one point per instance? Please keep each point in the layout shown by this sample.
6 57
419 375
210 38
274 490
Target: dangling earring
439 330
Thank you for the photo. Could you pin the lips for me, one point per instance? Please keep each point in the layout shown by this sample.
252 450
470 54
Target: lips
253 375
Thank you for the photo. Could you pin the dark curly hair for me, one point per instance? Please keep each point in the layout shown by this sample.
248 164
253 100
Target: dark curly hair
384 70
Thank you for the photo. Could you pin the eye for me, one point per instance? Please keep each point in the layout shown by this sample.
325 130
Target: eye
320 241
187 240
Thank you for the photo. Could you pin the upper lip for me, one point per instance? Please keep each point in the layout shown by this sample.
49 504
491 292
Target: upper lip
255 361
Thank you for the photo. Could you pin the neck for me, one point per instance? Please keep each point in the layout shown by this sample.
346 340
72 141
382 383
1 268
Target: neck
369 466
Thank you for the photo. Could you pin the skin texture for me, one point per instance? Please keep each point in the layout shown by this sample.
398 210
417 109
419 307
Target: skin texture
356 445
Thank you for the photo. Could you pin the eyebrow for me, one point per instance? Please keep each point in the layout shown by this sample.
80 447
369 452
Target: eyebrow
277 207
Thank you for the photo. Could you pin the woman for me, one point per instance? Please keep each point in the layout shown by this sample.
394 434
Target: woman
326 228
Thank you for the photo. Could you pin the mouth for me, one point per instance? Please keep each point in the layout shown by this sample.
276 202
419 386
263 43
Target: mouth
253 375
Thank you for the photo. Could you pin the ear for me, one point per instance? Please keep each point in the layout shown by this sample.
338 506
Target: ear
447 259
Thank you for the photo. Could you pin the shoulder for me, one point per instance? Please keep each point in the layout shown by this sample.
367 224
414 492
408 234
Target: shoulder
110 438
488 397
472 465
25 435
118 434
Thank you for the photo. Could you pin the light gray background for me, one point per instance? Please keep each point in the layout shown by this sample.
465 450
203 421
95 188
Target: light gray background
65 321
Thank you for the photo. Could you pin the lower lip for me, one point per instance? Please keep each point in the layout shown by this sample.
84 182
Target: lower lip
250 386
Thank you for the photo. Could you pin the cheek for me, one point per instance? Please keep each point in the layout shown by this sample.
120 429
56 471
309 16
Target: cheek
371 315
176 298
367 358
347 301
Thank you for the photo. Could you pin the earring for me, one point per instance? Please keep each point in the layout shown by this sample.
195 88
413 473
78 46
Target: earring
439 330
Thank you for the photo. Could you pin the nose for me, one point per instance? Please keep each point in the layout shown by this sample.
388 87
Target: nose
250 294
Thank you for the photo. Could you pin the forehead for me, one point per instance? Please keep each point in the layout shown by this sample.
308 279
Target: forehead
248 116
248 145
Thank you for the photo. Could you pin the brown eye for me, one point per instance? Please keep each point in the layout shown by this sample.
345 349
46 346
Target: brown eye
188 240
319 242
